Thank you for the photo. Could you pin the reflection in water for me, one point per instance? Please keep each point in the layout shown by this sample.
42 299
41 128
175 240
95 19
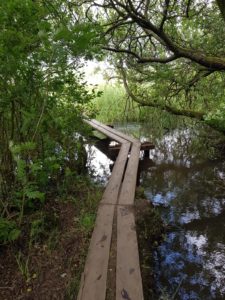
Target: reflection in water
186 185
98 164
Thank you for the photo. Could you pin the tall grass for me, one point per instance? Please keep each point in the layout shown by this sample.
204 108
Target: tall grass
114 105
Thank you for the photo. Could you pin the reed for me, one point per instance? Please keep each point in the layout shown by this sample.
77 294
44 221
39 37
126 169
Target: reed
114 106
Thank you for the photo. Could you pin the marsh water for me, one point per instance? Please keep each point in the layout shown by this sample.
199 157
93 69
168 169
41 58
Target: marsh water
184 178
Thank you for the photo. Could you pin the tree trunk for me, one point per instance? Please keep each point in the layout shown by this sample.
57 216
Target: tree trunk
221 5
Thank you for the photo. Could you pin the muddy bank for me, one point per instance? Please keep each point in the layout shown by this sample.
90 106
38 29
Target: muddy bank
47 261
150 233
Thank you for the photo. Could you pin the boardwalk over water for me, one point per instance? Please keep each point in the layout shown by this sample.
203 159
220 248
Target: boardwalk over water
116 206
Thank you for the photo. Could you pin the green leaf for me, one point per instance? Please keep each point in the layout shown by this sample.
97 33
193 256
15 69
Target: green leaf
14 234
34 195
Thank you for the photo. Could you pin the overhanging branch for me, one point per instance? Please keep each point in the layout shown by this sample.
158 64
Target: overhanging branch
211 62
142 60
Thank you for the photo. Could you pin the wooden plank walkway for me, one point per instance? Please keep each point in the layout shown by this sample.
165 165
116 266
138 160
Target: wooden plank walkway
119 195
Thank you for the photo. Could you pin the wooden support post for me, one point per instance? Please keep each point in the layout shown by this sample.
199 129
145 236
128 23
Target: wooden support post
146 153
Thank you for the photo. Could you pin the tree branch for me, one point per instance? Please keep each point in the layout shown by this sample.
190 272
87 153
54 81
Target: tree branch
170 109
197 56
142 60
165 12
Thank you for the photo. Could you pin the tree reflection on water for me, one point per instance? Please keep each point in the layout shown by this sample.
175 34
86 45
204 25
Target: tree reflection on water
186 184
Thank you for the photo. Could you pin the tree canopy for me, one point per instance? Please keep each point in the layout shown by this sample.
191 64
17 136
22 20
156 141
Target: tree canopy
164 31
169 54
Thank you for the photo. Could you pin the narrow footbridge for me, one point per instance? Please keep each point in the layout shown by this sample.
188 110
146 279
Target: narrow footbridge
116 207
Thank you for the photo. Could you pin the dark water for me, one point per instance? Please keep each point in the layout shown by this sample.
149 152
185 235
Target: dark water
184 178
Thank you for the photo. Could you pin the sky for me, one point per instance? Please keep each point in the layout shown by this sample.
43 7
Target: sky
91 76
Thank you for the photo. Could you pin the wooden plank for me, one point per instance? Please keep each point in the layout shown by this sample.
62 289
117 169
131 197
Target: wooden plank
128 278
106 130
94 279
93 286
97 134
118 133
144 146
114 147
129 184
111 193
147 146
128 275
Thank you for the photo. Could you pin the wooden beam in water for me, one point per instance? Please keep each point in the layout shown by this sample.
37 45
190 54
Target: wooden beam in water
111 134
144 146
127 193
118 133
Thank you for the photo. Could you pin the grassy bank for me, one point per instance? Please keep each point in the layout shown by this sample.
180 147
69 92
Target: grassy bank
47 260
114 106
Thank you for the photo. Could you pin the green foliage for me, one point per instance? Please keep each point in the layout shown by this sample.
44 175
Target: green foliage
26 172
113 105
37 229
110 106
87 221
23 265
8 231
149 88
173 57
216 118
43 97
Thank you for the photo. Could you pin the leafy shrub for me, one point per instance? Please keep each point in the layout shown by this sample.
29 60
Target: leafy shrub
8 231
87 221
216 118
43 97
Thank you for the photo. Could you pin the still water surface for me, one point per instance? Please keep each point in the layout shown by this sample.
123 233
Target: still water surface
184 177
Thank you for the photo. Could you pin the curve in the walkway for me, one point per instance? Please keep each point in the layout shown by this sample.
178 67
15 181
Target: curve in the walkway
119 195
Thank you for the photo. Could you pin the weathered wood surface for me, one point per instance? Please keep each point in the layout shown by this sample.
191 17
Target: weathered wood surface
147 146
128 275
111 193
118 133
96 267
110 133
128 278
144 146
127 193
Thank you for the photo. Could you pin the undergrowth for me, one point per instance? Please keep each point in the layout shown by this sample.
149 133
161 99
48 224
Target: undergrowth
60 224
113 105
